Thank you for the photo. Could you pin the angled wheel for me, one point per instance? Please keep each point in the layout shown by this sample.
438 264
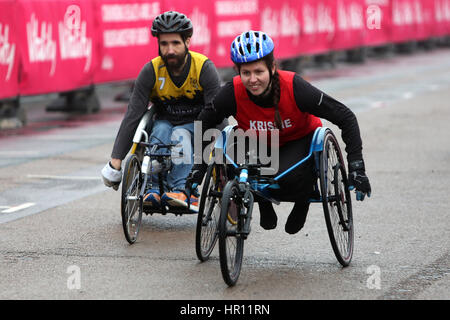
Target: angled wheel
336 200
209 211
131 205
231 243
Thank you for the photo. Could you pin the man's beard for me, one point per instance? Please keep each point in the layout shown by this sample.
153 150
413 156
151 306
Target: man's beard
174 65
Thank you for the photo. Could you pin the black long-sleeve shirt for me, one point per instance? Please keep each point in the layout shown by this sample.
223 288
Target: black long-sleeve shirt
308 99
139 101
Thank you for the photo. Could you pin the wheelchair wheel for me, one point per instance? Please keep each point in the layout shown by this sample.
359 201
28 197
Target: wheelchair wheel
336 200
231 243
209 211
131 205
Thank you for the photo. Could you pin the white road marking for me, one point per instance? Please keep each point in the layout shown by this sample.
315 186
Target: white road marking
19 153
18 208
44 176
408 95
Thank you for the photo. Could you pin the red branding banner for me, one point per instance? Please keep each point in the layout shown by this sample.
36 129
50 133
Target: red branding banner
201 14
232 17
57 41
350 24
9 48
124 37
68 44
406 15
441 17
281 20
377 14
318 25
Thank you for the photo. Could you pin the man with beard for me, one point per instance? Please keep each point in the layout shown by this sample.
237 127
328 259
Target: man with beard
179 83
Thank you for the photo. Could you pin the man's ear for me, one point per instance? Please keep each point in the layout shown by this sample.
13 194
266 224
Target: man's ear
188 42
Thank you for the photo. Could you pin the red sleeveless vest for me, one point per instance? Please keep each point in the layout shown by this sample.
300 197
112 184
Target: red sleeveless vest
296 124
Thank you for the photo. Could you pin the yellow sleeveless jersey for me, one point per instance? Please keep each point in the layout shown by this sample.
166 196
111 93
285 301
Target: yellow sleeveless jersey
178 104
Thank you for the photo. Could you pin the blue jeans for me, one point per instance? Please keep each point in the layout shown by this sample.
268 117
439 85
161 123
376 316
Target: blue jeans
164 132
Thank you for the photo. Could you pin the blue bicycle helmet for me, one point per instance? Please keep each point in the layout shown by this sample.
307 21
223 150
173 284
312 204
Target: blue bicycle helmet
251 46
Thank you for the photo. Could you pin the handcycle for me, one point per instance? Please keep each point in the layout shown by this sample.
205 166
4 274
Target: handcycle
144 161
235 199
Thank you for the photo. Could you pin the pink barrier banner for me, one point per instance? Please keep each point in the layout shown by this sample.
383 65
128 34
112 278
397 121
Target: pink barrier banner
406 14
281 20
55 46
232 17
318 27
57 41
424 19
350 24
441 17
9 59
124 37
201 14
377 14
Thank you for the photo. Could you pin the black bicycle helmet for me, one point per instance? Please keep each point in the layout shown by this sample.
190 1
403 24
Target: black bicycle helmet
172 22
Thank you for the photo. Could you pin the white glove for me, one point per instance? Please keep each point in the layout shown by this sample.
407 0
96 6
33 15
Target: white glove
111 177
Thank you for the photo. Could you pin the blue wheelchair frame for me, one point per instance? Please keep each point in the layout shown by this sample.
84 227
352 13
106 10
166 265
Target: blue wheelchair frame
262 189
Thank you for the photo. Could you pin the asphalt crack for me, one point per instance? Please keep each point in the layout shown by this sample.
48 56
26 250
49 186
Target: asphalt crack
418 282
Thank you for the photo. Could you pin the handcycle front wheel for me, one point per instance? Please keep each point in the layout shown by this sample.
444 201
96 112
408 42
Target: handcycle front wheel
231 243
336 200
209 211
131 204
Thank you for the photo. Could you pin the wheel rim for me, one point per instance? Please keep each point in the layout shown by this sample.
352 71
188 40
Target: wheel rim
231 244
339 218
209 211
232 240
210 218
132 204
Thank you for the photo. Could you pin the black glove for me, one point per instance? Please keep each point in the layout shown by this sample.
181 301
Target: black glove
195 177
358 180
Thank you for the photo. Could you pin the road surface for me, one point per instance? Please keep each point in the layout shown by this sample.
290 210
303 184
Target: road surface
61 235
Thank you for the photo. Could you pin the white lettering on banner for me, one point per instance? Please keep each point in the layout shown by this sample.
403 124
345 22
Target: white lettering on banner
402 13
268 125
317 21
236 7
280 23
442 10
350 17
73 41
126 37
41 47
107 63
130 12
377 2
374 15
202 34
407 13
232 28
7 51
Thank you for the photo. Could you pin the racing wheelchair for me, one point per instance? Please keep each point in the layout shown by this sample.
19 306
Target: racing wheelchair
145 160
229 192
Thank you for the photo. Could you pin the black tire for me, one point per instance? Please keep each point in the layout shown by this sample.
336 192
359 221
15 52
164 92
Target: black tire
209 211
131 205
336 200
231 244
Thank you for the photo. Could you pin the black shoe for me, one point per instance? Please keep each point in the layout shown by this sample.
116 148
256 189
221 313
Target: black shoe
268 216
297 217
